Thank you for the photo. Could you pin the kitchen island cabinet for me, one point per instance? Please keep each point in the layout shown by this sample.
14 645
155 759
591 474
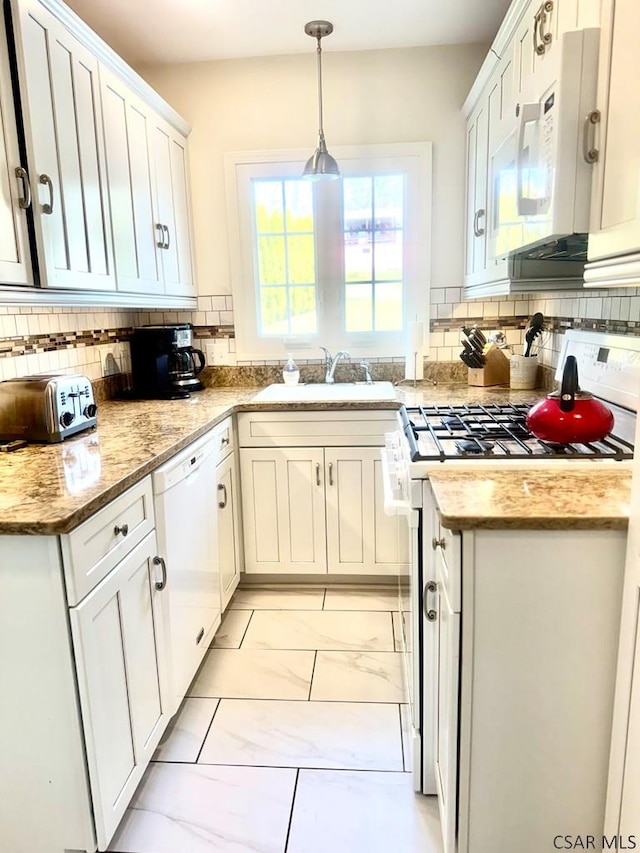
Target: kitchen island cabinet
527 613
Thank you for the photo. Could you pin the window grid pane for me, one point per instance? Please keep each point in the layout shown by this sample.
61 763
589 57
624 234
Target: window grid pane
373 252
284 233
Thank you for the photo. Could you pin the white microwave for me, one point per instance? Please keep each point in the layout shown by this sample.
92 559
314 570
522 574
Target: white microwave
540 176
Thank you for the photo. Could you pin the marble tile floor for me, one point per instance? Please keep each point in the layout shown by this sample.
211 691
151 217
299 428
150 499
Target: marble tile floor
293 737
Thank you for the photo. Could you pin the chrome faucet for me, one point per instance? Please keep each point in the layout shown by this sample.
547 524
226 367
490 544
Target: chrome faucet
330 363
367 372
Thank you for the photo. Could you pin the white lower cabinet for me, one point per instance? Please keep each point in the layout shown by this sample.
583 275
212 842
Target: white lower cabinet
85 693
527 634
228 527
118 642
312 498
283 507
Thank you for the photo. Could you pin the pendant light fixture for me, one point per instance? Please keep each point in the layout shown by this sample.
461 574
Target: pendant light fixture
320 166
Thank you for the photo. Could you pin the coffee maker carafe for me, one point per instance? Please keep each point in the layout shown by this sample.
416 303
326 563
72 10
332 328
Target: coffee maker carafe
164 363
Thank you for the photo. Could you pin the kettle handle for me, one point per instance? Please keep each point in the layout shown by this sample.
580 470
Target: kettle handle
200 356
569 387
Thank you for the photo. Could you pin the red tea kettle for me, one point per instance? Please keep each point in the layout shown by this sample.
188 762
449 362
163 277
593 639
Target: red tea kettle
570 416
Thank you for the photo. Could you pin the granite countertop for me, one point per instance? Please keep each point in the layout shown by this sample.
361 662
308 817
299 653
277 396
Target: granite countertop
51 488
545 500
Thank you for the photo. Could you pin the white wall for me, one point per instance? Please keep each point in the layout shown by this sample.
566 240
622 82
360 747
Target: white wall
369 96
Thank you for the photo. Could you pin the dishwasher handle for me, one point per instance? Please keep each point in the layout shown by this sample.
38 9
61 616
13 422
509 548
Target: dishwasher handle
159 561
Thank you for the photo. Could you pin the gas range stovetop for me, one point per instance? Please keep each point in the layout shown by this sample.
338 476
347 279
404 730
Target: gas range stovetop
495 431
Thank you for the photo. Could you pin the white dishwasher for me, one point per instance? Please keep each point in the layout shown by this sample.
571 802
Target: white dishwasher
184 492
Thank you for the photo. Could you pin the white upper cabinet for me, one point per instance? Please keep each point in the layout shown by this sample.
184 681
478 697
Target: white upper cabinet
63 129
170 158
148 189
99 212
544 53
615 212
128 130
15 191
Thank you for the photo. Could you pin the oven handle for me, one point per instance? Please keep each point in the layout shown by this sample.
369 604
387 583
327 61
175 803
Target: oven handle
430 614
392 505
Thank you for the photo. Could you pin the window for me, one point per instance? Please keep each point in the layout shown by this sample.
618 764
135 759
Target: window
343 264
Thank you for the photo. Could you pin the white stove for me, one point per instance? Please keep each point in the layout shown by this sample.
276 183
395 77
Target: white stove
472 437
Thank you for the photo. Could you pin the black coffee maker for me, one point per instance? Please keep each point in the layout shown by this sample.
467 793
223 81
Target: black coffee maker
164 363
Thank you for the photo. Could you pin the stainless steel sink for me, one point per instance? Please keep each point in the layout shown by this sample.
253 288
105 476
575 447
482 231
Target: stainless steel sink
319 392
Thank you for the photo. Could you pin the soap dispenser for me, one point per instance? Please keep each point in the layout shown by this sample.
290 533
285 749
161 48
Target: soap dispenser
290 372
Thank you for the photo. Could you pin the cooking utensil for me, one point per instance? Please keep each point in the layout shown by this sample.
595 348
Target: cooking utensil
570 416
536 325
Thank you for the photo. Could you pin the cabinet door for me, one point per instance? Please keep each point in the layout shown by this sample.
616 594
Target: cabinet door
170 160
15 262
535 46
615 212
117 635
446 729
361 539
477 154
63 129
128 129
228 528
283 510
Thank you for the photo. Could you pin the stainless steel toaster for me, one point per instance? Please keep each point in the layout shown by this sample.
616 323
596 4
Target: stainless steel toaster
48 407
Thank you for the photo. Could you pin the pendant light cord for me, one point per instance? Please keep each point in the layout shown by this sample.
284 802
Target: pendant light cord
319 52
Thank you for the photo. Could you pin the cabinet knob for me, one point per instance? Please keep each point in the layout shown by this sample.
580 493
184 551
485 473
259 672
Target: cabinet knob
121 528
438 543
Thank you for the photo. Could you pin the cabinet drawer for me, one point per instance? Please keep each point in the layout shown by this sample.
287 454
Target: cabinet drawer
224 439
315 429
98 544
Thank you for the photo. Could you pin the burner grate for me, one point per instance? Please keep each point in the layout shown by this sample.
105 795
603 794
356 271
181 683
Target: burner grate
496 430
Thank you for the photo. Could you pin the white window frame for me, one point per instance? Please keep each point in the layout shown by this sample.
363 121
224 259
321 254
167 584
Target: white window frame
412 159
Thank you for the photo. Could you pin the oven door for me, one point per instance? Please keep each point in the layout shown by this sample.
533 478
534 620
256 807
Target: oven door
416 638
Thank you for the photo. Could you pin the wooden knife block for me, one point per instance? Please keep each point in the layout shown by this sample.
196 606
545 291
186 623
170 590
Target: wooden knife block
495 371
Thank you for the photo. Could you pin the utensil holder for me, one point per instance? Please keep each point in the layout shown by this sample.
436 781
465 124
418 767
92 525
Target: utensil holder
523 372
495 371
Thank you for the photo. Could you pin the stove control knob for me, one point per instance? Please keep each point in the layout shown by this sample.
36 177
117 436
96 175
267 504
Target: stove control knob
90 410
66 418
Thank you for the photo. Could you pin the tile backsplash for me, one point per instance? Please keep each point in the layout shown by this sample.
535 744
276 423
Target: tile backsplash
95 341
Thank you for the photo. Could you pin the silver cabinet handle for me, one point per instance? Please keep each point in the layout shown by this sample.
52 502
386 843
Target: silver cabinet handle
224 440
331 473
200 636
160 242
317 473
438 543
430 614
121 528
46 180
22 175
476 220
547 7
222 488
159 561
168 242
539 20
589 151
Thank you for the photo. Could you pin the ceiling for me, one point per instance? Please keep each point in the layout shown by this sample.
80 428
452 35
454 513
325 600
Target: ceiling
167 31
